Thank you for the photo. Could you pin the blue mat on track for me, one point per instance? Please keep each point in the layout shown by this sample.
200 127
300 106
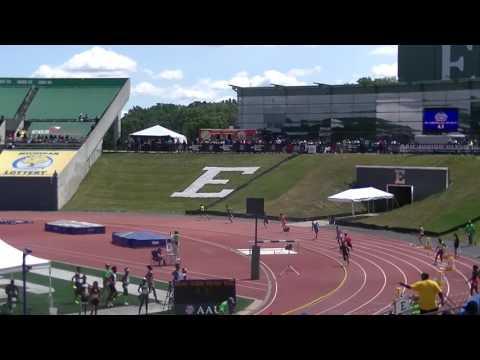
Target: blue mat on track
140 239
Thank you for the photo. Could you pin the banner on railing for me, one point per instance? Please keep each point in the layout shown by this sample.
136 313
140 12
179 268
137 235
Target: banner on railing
34 163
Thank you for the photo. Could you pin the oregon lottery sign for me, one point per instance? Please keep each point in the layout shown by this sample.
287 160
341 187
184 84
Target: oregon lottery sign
34 163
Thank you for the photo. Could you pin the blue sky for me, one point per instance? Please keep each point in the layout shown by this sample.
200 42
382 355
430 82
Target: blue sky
183 74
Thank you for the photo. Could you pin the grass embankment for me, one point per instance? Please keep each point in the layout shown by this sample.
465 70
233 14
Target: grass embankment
144 182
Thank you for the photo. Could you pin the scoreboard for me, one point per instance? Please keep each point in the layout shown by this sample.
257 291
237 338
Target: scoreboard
201 297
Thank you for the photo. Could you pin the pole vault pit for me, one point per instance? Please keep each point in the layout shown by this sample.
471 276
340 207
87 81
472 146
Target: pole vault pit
406 183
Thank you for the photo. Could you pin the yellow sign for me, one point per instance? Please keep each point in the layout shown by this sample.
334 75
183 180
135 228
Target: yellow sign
33 163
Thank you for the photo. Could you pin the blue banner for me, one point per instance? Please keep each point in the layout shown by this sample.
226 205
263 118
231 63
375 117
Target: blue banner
440 120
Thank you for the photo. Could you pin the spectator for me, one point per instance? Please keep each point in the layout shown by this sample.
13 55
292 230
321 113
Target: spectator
143 290
184 274
456 245
112 291
151 282
11 290
427 290
77 285
474 280
470 230
84 295
94 293
125 283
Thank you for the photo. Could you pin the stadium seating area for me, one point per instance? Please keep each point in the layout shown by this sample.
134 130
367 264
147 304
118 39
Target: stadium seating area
67 103
57 111
10 100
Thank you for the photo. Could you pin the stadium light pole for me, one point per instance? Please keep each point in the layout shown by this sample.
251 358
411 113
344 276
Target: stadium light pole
24 276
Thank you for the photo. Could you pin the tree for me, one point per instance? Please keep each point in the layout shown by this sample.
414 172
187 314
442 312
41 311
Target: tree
183 119
368 81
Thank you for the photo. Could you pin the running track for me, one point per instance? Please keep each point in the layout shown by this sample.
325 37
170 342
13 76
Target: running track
209 250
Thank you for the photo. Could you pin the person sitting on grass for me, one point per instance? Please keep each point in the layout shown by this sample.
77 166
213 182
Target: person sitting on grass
11 290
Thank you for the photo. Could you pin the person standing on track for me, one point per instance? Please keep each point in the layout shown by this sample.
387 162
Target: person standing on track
283 222
203 211
265 221
421 235
315 228
474 280
456 245
427 291
229 213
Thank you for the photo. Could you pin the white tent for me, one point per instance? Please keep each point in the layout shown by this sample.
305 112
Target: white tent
360 195
159 131
11 260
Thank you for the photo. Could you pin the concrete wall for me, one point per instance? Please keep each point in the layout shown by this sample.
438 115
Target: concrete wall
71 177
28 193
426 181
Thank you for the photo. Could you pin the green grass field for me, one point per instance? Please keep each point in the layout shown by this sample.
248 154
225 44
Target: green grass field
144 182
298 187
38 304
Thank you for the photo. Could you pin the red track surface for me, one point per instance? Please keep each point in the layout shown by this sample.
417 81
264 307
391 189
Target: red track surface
208 250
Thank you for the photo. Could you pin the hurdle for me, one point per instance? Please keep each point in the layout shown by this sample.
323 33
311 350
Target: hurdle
287 242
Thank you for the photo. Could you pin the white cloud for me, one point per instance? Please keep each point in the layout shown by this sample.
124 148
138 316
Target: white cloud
95 62
383 70
390 50
218 90
148 89
171 75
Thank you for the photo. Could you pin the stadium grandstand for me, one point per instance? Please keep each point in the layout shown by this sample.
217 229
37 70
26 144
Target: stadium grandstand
52 132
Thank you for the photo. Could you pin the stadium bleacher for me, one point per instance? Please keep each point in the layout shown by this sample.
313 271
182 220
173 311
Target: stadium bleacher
73 129
66 103
11 97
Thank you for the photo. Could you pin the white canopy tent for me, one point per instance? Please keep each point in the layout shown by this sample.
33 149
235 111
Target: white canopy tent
160 131
11 261
360 195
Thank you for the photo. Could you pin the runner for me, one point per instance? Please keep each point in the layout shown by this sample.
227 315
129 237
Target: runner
283 222
474 280
229 213
345 252
427 291
421 235
348 241
456 245
315 228
339 235
265 221
439 251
